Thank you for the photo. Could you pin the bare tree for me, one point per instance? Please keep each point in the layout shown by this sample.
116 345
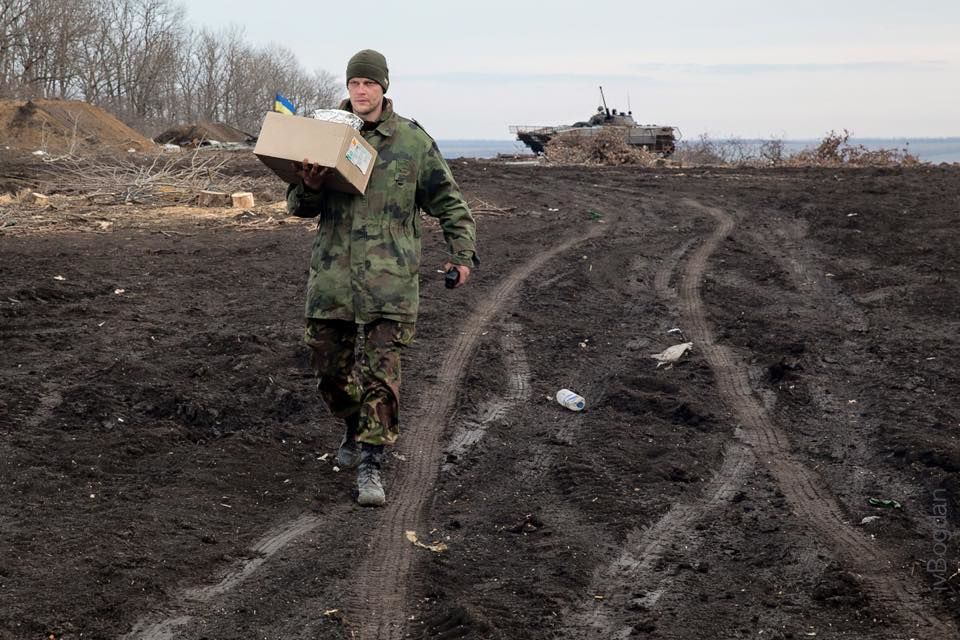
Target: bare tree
139 59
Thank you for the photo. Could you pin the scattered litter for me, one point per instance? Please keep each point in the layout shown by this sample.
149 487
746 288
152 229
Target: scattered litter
119 291
224 504
850 215
39 152
324 457
59 278
851 402
100 324
869 519
884 502
599 597
438 547
671 354
571 400
330 612
552 210
583 345
93 495
399 456
336 468
596 215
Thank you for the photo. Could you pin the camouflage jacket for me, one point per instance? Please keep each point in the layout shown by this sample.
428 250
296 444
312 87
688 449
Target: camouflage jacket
366 254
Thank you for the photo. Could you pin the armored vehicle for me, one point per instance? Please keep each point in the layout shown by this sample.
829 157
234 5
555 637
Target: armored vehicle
655 138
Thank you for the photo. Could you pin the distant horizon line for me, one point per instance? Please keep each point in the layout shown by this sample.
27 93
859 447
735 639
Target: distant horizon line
759 139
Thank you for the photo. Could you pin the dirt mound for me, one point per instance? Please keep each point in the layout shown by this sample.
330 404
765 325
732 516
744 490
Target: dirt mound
203 133
59 126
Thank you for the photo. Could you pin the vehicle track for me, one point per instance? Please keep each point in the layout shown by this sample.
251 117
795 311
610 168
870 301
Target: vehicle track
518 390
191 601
382 577
638 568
881 579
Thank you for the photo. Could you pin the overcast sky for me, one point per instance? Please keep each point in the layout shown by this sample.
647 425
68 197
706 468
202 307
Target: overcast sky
879 68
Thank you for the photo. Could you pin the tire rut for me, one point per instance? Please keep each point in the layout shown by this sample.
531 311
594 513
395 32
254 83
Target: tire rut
639 567
382 576
518 390
881 580
193 601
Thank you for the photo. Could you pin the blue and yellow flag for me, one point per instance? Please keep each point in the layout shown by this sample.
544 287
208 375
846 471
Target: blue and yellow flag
283 105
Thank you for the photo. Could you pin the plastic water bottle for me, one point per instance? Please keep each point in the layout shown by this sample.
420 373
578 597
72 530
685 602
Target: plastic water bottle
570 400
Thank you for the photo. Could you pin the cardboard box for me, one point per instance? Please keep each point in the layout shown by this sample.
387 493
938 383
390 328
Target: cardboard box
285 139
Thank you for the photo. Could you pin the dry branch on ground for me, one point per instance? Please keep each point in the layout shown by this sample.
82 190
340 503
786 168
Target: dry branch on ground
605 147
161 179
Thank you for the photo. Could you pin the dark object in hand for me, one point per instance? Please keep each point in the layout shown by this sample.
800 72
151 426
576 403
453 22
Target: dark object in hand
451 278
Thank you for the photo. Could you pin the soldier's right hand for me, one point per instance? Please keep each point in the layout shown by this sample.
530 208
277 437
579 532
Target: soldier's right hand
312 175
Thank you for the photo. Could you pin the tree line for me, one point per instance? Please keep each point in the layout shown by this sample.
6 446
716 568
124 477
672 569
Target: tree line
141 61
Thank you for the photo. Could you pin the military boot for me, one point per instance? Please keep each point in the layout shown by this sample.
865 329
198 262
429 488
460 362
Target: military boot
348 455
369 485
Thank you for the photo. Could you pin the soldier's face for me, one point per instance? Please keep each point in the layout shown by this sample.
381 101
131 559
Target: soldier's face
366 96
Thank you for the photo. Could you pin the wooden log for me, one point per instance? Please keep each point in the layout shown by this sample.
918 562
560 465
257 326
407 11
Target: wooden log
242 200
213 199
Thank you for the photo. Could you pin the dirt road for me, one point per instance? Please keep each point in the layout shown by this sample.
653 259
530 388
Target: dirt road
167 469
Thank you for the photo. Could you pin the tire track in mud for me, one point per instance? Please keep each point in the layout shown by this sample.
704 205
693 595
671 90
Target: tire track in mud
382 577
638 567
194 601
881 580
518 390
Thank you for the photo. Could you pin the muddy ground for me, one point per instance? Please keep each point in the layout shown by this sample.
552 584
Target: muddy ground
166 468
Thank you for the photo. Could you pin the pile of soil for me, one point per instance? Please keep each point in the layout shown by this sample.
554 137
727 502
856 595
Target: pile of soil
201 134
58 126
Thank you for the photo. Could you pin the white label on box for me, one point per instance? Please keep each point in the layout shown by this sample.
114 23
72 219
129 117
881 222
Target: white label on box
358 155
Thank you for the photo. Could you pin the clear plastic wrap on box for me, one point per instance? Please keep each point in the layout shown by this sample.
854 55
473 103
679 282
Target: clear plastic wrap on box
340 116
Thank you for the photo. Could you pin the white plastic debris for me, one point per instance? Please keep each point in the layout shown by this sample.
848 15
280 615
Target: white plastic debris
39 152
571 400
59 278
869 519
119 291
671 354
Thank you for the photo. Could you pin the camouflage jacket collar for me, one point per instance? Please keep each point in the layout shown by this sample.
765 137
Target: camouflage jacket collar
387 124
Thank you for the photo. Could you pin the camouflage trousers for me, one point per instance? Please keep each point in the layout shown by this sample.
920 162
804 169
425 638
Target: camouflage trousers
362 385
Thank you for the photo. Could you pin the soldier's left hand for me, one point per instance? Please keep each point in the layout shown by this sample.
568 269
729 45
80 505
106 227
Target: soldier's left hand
464 272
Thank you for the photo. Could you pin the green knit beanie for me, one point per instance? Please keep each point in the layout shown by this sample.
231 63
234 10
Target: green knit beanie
369 64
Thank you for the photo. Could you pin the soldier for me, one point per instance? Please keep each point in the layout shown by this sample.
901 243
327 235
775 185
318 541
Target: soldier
364 268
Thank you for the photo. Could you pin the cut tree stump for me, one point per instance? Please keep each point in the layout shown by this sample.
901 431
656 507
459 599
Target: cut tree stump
242 200
213 199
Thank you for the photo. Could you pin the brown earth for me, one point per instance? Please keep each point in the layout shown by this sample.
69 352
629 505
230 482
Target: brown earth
167 468
59 126
200 133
